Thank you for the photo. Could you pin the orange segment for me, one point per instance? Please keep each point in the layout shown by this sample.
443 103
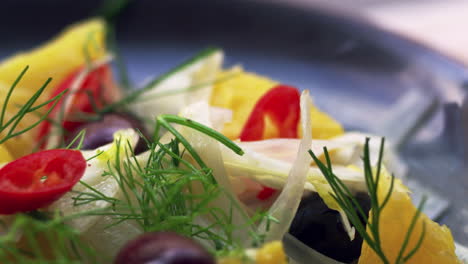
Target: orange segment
57 58
269 253
323 125
437 246
239 91
4 155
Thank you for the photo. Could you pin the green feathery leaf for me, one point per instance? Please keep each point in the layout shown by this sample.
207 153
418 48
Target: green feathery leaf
343 196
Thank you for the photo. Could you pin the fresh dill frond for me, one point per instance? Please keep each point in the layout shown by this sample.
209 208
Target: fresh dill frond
191 88
134 95
79 138
111 10
165 120
10 125
120 65
343 196
169 193
33 239
89 44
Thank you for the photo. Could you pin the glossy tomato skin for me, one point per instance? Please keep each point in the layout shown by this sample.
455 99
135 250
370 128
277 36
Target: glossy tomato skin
163 248
281 104
96 90
36 180
94 93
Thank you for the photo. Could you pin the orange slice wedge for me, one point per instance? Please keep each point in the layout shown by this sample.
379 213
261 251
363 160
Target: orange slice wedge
437 245
57 58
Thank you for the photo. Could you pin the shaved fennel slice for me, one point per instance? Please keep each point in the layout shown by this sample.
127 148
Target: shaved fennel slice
390 159
274 172
107 238
191 83
209 151
285 207
93 176
56 133
219 116
344 150
300 253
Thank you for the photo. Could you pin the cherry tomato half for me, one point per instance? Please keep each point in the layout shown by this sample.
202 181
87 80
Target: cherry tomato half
91 93
38 179
282 105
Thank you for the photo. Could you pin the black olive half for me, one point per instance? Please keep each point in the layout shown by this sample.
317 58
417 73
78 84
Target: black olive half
101 132
321 228
163 248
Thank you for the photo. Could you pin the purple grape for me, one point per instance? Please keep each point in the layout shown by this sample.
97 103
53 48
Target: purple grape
163 248
99 133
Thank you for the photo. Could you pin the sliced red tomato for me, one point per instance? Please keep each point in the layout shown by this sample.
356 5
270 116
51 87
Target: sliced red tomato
281 105
36 180
266 193
89 95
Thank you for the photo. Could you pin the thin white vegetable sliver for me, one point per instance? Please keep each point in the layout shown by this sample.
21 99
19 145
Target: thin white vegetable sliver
210 152
54 138
285 207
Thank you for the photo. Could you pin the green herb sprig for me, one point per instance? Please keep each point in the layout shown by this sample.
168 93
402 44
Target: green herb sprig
170 193
111 10
10 125
343 196
43 241
134 95
159 194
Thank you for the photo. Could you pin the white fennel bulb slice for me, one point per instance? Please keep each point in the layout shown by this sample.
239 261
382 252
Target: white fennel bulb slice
99 161
285 206
190 83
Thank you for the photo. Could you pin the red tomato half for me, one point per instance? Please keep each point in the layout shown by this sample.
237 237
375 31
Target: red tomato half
38 179
91 92
282 105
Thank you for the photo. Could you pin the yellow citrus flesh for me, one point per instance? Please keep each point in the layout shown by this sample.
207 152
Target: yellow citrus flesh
269 253
239 91
4 155
437 246
57 59
323 125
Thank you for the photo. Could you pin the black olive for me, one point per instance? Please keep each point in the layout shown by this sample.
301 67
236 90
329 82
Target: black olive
321 228
163 248
100 132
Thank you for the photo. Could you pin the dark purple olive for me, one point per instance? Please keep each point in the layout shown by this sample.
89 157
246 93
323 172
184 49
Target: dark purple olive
163 248
100 132
321 228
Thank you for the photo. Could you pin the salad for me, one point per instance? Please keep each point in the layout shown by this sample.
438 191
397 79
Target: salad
203 164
